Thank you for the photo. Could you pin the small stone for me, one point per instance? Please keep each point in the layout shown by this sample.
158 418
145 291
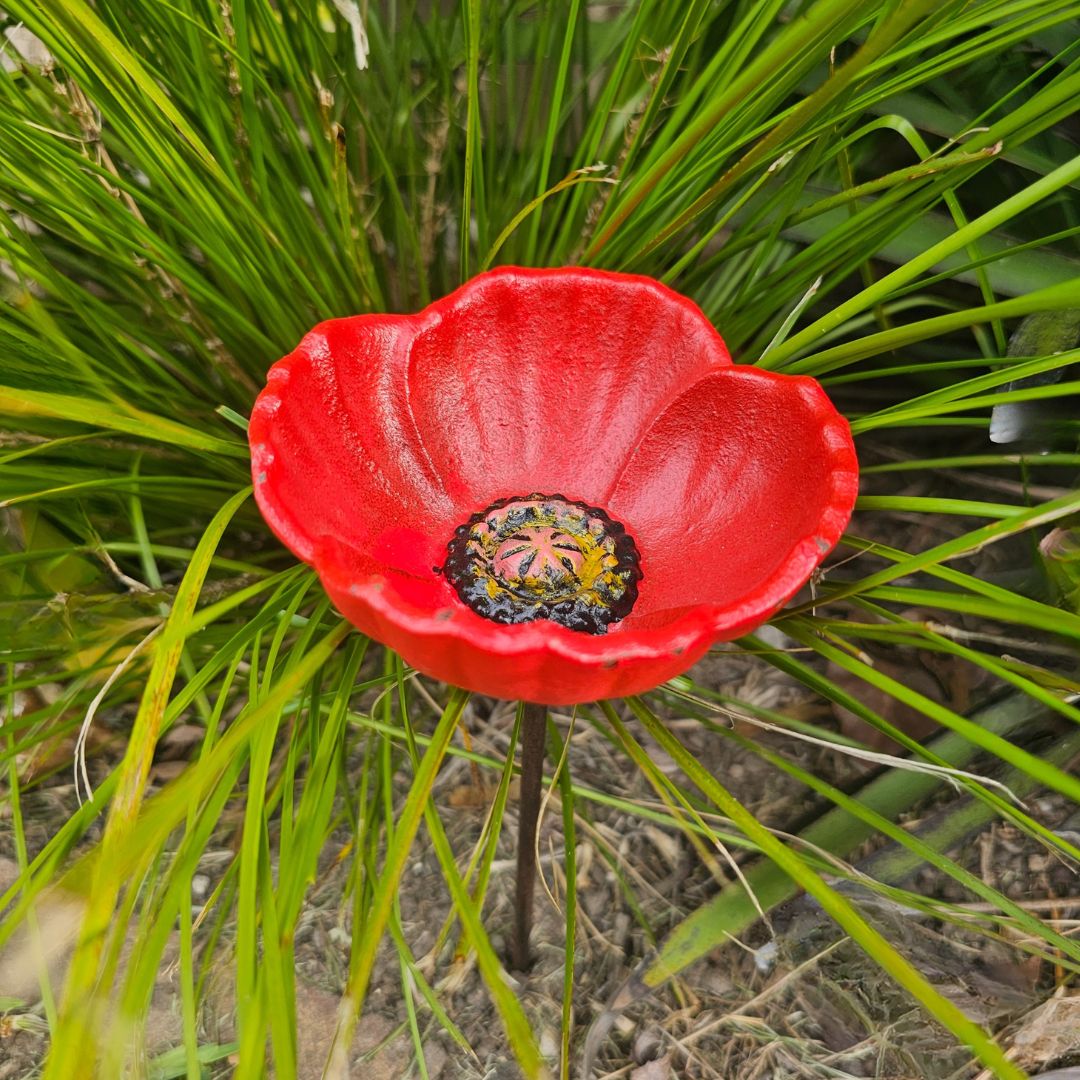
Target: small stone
549 1043
340 936
660 1069
647 1045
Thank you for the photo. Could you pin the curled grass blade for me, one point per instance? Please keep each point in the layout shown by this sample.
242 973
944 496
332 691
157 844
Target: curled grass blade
515 1023
16 402
78 1028
362 959
1034 193
944 1011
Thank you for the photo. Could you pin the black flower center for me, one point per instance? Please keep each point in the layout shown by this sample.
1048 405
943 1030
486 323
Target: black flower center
545 557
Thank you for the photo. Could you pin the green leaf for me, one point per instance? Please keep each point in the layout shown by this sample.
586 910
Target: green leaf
16 403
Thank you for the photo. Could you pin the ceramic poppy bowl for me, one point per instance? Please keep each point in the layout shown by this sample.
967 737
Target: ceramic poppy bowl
552 485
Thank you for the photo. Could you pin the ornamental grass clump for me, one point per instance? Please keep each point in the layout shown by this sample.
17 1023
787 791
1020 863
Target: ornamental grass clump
223 782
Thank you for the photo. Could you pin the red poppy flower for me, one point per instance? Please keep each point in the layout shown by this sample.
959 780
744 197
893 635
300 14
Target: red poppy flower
551 485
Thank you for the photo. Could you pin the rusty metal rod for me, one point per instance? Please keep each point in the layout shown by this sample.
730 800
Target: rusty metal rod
533 732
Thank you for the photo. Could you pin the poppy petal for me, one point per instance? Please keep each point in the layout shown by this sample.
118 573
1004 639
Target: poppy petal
422 620
527 380
335 451
734 495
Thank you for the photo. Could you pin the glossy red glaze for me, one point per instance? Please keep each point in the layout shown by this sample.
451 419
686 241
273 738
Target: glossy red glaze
380 434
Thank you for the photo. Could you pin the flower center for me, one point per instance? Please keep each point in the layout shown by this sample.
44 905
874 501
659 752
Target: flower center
544 557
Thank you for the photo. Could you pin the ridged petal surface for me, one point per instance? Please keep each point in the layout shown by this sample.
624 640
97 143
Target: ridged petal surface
335 448
539 381
734 494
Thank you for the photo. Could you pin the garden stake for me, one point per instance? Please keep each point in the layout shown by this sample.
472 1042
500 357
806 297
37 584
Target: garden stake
548 486
533 731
